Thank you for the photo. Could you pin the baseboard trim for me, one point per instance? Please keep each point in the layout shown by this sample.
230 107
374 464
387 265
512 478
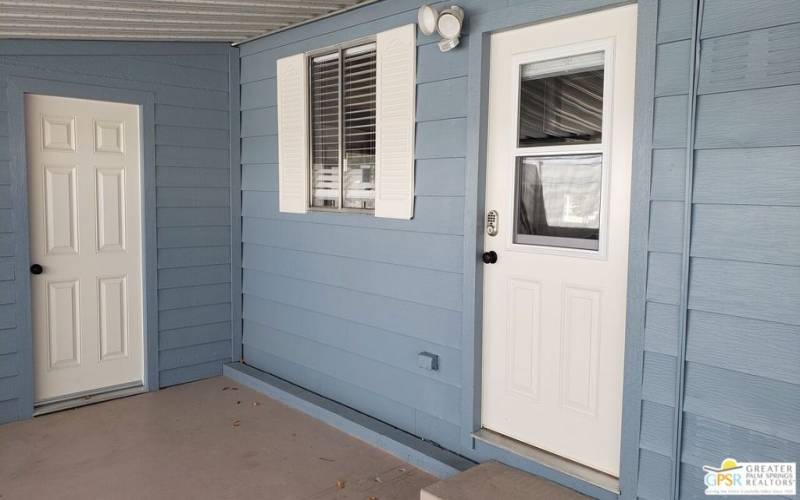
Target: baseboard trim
550 460
422 454
88 398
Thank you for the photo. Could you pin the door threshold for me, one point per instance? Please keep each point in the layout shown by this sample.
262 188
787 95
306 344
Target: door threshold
87 398
549 460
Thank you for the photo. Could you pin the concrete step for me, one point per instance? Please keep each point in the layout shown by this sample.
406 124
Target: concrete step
493 480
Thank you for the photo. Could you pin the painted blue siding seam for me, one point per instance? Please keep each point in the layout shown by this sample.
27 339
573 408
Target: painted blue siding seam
680 382
236 240
349 320
641 195
315 282
755 28
350 257
22 321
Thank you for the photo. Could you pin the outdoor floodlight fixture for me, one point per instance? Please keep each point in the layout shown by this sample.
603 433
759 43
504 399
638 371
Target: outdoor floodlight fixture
447 23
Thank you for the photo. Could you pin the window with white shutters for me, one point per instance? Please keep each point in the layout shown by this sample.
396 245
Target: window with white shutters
346 127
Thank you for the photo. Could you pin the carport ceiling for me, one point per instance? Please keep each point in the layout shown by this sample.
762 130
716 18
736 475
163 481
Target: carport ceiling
190 20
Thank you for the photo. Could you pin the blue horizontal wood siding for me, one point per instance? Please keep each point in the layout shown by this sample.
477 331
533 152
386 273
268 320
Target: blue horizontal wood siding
332 301
190 83
343 303
743 284
744 241
744 280
10 382
665 245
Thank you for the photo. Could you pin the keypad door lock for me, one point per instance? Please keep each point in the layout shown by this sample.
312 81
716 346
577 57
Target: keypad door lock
492 222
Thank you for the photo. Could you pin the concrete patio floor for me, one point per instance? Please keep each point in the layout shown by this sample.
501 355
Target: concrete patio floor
212 439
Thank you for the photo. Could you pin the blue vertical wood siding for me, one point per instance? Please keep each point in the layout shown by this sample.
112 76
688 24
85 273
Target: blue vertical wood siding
190 83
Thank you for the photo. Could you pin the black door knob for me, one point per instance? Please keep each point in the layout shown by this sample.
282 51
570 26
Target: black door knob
489 257
36 269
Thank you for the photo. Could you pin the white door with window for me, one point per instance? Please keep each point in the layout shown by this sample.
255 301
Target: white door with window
557 199
85 250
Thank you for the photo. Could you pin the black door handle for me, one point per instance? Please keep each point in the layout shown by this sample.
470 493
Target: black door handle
36 269
489 257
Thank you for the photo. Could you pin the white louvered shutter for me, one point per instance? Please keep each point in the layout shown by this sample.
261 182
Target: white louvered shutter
292 85
395 107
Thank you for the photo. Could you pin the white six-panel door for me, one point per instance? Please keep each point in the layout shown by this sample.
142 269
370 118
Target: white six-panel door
554 311
84 216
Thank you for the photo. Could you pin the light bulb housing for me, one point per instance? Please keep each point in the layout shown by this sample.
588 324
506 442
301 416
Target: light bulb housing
447 23
448 44
427 18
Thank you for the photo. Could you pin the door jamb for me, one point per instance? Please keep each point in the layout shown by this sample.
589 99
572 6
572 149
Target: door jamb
472 316
17 88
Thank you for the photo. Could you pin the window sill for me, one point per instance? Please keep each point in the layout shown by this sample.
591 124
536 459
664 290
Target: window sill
361 211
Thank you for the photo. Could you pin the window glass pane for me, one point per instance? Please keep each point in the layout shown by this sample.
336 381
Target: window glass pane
325 131
558 201
561 101
358 101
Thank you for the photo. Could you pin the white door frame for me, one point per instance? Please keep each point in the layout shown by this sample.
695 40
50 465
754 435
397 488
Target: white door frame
472 362
553 271
17 88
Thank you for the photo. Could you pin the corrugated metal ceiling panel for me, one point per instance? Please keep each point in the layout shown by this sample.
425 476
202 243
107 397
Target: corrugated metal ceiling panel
199 20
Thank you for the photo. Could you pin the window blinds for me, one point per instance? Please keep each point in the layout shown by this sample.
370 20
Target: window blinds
325 96
561 101
358 78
